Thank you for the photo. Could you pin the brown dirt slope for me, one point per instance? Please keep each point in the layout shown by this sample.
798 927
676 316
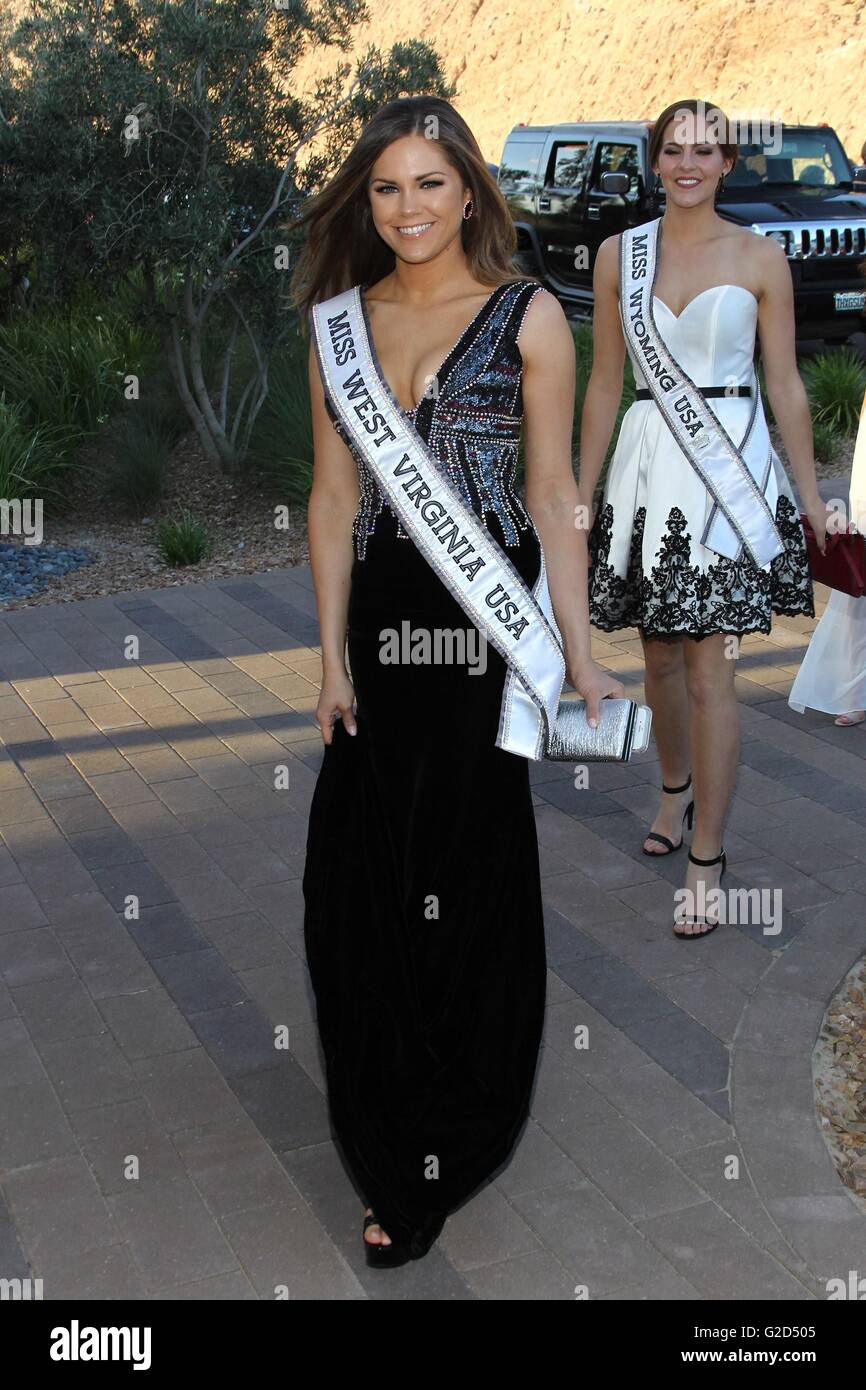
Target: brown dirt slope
565 60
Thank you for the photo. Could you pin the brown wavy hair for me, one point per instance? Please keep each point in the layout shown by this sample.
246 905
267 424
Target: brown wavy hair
693 104
343 248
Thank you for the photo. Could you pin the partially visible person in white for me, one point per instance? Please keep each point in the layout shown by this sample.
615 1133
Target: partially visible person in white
832 677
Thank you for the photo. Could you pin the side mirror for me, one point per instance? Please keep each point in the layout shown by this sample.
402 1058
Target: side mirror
615 183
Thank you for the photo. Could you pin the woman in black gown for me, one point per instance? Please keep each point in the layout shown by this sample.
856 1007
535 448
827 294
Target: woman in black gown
423 914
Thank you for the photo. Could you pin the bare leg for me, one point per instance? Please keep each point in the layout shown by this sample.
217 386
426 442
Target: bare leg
665 685
714 736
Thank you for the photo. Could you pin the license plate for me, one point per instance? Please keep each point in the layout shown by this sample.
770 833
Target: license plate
845 301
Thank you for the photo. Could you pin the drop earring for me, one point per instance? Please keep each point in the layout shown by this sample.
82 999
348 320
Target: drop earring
468 204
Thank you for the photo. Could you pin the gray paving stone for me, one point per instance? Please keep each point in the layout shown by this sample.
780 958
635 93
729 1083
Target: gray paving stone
106 1273
486 1231
604 1047
201 982
285 1251
712 1251
94 1072
232 1165
615 990
78 814
57 1008
247 941
147 1023
564 941
827 1232
284 1104
210 894
283 992
33 1126
20 908
710 1167
684 1048
178 856
185 1089
774 1111
661 1108
138 880
13 1261
30 955
172 1236
537 1277
104 849
708 997
628 1168
58 1209
597 1247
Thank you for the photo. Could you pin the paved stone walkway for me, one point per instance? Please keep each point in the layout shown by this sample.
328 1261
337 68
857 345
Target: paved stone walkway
676 1156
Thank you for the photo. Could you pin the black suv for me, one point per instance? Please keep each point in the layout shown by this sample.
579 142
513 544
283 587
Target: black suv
569 187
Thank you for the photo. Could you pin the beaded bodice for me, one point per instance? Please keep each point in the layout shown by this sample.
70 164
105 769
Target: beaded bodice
472 424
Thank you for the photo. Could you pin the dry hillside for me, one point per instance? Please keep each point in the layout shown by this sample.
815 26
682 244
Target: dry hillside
561 60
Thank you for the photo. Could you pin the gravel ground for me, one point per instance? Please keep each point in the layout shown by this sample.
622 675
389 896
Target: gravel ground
839 1066
240 517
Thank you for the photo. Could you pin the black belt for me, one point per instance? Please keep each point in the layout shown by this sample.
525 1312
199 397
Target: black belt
644 394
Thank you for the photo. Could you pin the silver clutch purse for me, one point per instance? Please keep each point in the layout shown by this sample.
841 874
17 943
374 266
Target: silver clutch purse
622 729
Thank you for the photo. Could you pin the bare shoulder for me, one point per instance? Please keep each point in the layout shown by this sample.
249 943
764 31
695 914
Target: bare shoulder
543 322
762 259
607 259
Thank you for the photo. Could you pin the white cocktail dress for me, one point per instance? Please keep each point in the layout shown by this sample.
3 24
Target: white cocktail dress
649 568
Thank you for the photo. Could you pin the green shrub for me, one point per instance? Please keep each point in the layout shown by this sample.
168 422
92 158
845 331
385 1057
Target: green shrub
182 540
28 456
835 382
138 451
281 443
826 441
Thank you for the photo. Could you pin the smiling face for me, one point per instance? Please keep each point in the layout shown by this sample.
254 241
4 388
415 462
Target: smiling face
691 160
416 198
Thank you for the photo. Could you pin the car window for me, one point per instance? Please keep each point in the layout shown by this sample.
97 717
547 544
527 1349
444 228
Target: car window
519 167
568 164
618 159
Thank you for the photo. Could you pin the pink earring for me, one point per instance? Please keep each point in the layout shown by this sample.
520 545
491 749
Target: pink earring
468 204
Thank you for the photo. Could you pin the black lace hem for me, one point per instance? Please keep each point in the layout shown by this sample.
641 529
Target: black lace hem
678 599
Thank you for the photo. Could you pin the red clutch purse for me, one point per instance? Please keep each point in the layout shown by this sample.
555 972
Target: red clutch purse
843 566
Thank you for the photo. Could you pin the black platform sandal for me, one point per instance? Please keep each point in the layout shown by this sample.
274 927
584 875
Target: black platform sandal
701 921
381 1256
688 814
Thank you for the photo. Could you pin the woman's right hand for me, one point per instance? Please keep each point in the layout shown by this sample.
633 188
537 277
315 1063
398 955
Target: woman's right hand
336 701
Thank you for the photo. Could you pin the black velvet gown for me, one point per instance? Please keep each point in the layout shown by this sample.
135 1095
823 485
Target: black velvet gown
423 915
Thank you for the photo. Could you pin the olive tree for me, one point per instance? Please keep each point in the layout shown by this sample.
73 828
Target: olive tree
162 142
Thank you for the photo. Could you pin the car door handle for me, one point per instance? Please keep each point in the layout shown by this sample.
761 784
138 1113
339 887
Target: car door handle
543 204
593 213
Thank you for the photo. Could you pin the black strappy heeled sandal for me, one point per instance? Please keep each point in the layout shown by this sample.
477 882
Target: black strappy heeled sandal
381 1256
701 921
688 814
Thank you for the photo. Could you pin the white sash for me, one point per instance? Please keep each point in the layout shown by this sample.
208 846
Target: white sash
518 623
735 478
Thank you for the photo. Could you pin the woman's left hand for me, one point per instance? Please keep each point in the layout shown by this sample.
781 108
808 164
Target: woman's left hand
592 684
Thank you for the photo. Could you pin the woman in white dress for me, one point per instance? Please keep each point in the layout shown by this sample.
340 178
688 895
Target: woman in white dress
707 285
832 676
